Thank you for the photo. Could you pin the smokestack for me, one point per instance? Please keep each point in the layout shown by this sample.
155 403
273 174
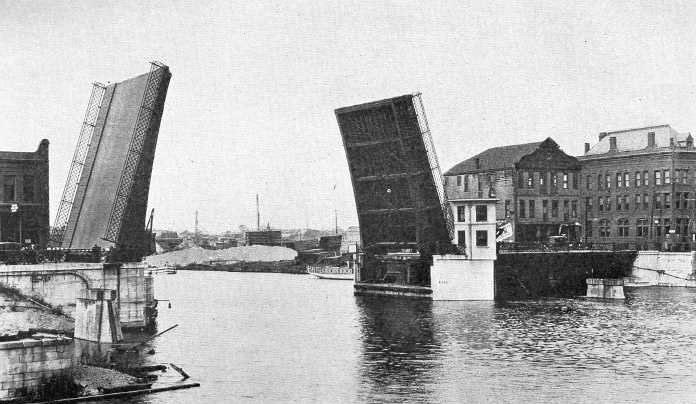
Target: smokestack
587 147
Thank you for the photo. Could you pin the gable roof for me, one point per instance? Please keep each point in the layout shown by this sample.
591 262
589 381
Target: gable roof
497 158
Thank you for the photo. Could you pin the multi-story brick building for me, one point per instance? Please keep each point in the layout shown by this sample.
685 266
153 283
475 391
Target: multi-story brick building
537 186
638 188
24 196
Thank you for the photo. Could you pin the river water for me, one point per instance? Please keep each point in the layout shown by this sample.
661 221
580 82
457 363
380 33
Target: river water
254 337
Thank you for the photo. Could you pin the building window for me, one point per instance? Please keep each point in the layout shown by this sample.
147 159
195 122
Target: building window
588 228
28 188
600 203
588 206
554 180
461 213
686 200
545 209
588 180
600 182
638 180
618 203
574 208
481 213
481 238
638 200
466 183
507 208
646 179
667 176
532 213
565 180
627 180
626 202
619 180
575 180
668 200
521 209
677 200
658 177
554 208
658 228
8 188
658 201
642 228
566 210
530 180
666 223
612 143
461 238
651 139
608 182
646 201
684 176
607 203
459 180
622 227
604 230
542 179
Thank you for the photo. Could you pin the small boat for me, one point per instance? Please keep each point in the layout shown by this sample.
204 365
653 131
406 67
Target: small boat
331 272
170 270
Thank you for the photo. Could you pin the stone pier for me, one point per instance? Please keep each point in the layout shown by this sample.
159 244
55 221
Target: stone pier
97 317
605 288
27 363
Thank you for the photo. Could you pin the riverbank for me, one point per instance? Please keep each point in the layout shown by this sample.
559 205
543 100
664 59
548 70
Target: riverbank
285 267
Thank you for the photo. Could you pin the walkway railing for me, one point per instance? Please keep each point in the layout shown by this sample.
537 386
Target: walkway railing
539 246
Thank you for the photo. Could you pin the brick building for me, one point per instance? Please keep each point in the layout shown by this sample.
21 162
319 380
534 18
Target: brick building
537 186
638 187
24 177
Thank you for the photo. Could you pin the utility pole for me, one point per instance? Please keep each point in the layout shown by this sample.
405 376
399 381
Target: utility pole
258 214
195 231
336 221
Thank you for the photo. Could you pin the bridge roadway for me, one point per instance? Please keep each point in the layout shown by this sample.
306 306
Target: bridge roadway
59 284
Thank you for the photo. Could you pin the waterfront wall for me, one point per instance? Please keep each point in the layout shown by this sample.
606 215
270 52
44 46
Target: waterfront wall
26 363
454 277
657 268
59 284
525 275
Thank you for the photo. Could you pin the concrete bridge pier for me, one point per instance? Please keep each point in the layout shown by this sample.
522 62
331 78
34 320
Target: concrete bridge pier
97 317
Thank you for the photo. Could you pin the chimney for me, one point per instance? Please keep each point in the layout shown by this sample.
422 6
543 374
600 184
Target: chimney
587 147
602 135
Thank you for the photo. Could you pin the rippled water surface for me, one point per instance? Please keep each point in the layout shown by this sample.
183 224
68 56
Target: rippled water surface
289 338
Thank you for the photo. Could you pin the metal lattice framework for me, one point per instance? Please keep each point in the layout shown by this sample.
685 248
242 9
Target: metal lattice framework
434 162
78 162
148 106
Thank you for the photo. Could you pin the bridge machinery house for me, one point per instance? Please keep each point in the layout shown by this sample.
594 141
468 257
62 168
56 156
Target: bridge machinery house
638 188
24 196
537 186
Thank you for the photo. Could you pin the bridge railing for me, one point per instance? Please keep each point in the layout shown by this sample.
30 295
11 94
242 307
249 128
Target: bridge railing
540 246
31 256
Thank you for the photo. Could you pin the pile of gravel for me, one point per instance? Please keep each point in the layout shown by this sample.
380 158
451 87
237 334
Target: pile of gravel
197 255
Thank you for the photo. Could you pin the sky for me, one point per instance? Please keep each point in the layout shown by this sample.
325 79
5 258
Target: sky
250 105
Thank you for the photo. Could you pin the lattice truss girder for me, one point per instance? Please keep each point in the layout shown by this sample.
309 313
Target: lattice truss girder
150 103
78 162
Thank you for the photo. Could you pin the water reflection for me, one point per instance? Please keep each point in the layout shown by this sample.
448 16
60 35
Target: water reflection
399 351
